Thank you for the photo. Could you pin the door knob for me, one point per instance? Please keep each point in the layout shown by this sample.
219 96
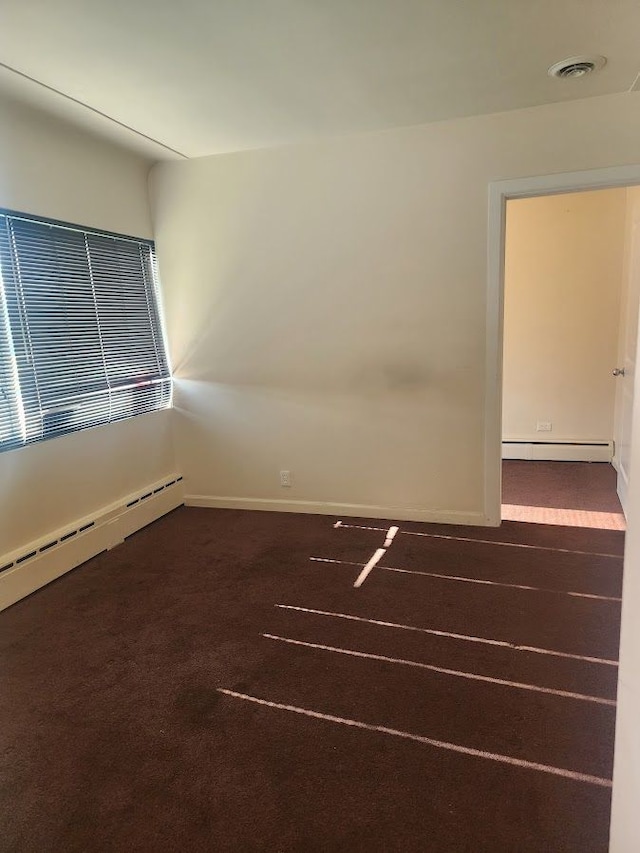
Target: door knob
618 371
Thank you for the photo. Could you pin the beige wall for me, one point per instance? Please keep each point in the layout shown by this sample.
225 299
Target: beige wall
326 305
51 169
563 274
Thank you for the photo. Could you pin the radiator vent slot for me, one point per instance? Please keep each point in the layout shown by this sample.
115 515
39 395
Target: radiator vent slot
26 557
86 526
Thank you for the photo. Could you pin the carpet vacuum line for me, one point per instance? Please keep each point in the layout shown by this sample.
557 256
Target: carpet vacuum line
460 579
427 741
470 676
517 647
340 524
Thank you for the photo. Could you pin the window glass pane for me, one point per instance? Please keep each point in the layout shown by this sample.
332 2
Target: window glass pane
85 326
63 330
125 300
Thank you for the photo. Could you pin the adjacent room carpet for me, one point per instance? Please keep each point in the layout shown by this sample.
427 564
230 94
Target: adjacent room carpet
579 494
207 686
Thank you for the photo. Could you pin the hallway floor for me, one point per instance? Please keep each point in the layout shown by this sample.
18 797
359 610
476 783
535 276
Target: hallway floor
577 494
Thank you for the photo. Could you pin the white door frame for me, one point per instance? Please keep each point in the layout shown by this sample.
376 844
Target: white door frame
499 193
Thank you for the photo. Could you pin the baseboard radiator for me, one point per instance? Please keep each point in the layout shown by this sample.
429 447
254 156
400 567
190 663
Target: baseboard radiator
27 569
558 451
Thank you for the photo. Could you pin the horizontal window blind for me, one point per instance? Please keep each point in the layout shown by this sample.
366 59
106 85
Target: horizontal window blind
82 342
11 432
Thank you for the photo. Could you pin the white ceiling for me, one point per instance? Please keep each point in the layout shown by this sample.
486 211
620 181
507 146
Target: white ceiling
208 76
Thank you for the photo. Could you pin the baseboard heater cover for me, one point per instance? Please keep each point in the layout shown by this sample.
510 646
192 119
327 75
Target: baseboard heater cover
560 451
25 570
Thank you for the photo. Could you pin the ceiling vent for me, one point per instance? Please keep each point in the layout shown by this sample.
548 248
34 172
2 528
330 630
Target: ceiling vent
577 66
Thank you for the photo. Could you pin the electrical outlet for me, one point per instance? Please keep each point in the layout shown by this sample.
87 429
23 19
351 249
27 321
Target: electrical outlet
285 478
544 426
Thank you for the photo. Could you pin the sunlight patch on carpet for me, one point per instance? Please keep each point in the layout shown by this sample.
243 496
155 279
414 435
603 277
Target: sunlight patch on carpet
564 517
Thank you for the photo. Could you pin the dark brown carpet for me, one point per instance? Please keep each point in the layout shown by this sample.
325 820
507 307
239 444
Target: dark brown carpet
115 736
587 486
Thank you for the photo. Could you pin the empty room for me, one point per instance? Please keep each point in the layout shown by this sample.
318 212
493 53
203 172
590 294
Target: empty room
258 588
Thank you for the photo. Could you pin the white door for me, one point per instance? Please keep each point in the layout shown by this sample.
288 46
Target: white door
628 343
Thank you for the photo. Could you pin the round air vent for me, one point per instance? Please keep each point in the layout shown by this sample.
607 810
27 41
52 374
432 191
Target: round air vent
577 66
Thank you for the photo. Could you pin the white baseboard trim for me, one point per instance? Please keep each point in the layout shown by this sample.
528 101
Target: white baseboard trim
398 513
25 570
558 451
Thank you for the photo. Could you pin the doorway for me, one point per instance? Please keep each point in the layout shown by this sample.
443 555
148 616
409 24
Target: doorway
500 192
567 284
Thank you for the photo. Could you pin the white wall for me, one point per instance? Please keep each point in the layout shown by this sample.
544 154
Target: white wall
628 341
326 305
563 275
625 823
51 169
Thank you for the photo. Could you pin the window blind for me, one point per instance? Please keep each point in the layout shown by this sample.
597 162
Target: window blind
11 433
82 342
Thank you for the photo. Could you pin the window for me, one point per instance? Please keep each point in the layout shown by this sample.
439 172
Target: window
81 339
